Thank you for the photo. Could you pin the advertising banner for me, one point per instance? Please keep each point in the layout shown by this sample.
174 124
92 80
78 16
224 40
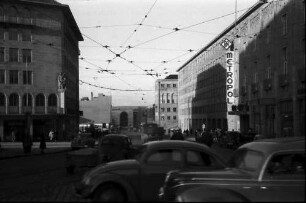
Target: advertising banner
230 75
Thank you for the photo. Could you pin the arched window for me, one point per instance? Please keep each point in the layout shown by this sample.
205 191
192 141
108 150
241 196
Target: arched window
27 100
124 120
2 99
172 98
13 99
40 100
13 14
162 99
52 100
168 99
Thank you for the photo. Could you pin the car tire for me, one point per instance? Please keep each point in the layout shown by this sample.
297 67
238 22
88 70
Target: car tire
109 193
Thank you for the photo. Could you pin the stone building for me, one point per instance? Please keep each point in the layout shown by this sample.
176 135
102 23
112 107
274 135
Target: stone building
252 75
39 76
166 94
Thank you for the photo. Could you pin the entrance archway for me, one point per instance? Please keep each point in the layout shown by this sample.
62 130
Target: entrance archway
124 120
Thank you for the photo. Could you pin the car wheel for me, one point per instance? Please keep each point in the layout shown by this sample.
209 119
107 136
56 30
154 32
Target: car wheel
109 193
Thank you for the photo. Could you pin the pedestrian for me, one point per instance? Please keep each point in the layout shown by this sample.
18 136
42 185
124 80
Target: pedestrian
42 144
13 136
51 135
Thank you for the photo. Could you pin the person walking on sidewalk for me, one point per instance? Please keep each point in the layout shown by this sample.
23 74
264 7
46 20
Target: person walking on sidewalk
42 144
51 135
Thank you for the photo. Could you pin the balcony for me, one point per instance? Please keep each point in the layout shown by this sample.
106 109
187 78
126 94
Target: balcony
39 110
254 87
267 83
13 110
52 109
26 109
283 80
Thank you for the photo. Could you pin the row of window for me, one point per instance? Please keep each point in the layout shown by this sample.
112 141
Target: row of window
14 75
168 98
15 55
13 100
167 85
168 109
168 118
15 35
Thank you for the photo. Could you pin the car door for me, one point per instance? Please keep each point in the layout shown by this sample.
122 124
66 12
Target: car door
154 170
284 178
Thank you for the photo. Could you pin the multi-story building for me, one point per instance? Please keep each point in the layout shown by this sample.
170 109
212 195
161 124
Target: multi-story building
252 75
166 105
39 76
98 109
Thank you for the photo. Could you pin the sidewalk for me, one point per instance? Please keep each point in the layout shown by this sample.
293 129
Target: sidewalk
11 150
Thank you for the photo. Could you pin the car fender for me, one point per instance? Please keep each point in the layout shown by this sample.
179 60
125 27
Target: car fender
114 178
210 193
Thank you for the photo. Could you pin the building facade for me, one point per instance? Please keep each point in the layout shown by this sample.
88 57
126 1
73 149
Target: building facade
252 75
98 109
166 102
39 76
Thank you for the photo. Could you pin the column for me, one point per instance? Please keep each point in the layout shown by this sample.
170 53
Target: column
46 104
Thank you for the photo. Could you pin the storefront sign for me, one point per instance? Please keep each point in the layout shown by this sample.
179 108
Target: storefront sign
230 81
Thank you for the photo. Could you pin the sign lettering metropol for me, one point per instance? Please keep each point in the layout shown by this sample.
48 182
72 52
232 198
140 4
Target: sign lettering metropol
230 81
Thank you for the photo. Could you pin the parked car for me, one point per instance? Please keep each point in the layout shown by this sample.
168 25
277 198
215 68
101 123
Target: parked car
82 140
111 147
270 170
140 178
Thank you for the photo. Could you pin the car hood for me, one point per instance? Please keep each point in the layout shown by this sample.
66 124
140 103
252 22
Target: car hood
113 166
221 174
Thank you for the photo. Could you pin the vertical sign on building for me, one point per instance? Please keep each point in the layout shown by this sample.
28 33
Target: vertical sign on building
230 82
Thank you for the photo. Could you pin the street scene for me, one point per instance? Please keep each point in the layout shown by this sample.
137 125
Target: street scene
156 100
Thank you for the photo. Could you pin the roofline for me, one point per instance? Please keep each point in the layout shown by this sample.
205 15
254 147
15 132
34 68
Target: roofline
242 17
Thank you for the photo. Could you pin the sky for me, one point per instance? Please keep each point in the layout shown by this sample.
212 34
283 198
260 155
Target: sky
129 44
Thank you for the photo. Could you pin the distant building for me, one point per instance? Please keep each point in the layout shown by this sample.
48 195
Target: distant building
252 75
39 69
98 109
127 117
166 103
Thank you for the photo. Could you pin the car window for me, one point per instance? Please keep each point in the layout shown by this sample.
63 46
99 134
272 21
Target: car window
202 159
166 156
286 166
247 160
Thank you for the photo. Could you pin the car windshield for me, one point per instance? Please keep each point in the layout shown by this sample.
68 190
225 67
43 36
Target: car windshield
139 152
245 159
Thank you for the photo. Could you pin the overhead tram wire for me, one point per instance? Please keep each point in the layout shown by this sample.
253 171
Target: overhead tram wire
125 90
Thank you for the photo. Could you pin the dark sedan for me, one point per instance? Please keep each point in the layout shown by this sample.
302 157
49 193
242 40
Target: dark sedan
271 170
139 179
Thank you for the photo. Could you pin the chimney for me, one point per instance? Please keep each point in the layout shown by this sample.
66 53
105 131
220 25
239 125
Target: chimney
91 96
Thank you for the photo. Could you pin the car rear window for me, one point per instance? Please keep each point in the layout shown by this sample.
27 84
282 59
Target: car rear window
247 160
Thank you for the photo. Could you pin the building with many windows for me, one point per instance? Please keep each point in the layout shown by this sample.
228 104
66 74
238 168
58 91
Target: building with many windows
39 76
166 105
252 75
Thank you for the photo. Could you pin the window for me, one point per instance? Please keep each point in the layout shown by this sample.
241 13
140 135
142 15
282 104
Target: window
13 55
286 166
26 56
40 100
2 76
162 118
168 110
284 24
268 39
174 117
174 85
12 14
27 77
2 99
201 159
174 109
13 100
1 54
1 33
168 118
162 109
52 100
168 85
13 35
27 100
247 160
13 76
168 99
165 157
162 85
284 56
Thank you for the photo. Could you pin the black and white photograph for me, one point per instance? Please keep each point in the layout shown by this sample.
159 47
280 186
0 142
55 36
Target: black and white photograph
152 100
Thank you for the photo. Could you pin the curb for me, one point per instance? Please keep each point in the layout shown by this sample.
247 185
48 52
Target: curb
36 154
